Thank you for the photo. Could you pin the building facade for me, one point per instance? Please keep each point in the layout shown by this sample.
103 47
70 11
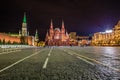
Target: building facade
73 39
57 36
8 38
107 38
83 40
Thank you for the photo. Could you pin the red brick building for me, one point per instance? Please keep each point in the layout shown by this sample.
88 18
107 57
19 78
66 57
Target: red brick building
57 36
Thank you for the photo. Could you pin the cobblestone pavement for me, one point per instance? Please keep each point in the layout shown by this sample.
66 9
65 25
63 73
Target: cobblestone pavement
64 63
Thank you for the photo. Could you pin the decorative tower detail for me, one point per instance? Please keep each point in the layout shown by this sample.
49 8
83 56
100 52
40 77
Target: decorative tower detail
63 28
63 31
57 36
51 30
19 32
24 26
36 36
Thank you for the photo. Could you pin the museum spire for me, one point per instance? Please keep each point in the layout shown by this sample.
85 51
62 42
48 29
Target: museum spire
51 24
63 24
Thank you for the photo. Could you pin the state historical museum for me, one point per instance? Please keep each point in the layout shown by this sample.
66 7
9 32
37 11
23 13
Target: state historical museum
57 36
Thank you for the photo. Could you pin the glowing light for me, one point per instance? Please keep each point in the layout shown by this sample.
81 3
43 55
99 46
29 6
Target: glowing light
24 18
108 31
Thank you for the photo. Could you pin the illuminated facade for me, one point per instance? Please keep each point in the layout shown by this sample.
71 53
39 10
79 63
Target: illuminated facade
57 37
107 38
83 40
8 38
73 38
21 38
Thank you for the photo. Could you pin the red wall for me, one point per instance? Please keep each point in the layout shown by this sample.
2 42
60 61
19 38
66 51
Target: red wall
12 39
9 38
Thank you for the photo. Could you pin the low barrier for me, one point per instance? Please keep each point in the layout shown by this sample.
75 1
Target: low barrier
15 46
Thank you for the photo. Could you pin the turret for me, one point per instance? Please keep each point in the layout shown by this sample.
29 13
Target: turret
28 33
63 25
67 35
51 31
63 28
19 33
24 26
36 36
51 24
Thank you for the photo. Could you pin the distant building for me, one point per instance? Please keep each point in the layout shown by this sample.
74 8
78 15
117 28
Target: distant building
73 38
83 40
76 40
57 36
21 38
72 35
111 37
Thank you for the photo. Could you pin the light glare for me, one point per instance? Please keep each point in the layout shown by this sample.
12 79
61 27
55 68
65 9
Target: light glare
108 31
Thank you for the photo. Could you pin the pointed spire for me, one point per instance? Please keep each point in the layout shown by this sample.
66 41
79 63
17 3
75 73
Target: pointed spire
24 18
66 33
36 36
51 24
36 31
63 24
28 33
47 33
19 33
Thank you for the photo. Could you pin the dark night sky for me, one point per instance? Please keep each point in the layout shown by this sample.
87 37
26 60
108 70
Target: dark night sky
83 16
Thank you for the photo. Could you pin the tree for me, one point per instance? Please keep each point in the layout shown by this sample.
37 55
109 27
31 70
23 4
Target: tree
3 41
0 41
9 42
26 43
22 40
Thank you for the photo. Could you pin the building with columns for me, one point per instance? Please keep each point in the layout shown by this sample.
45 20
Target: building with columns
108 38
57 36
